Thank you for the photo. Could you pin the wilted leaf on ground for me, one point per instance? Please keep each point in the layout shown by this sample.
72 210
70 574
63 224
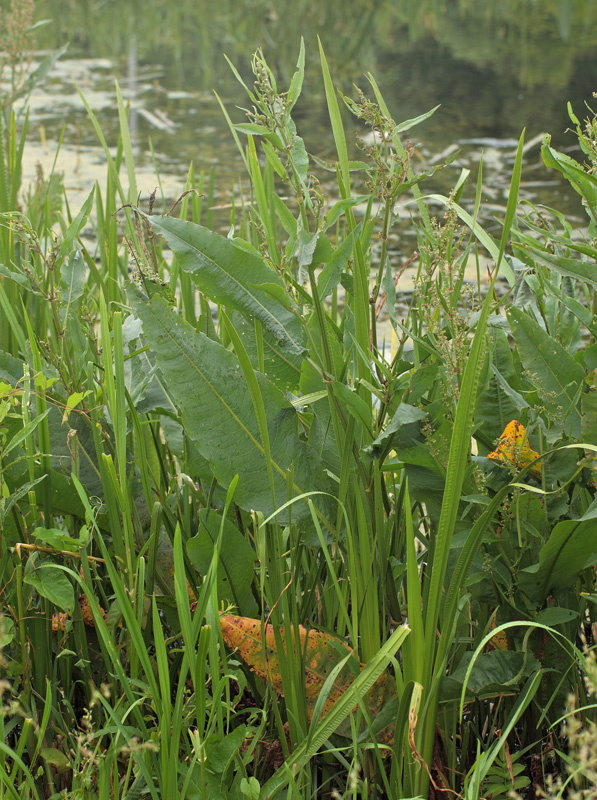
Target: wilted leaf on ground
321 653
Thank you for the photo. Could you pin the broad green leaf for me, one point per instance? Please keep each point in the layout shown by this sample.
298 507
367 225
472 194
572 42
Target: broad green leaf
589 417
340 207
51 583
55 757
496 406
252 129
493 674
250 788
75 228
221 751
567 328
300 157
570 267
296 84
517 399
576 246
321 433
330 274
307 244
402 431
219 781
571 547
426 476
323 250
232 277
236 564
581 181
353 404
218 415
19 278
274 159
63 444
556 375
72 279
7 632
60 540
410 123
555 615
25 432
281 367
286 218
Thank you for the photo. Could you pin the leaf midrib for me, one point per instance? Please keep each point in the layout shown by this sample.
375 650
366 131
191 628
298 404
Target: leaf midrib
239 285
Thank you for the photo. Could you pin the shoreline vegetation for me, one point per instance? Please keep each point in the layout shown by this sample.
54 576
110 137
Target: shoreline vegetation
247 549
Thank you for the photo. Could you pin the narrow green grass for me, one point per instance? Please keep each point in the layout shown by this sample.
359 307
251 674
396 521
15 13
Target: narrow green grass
224 433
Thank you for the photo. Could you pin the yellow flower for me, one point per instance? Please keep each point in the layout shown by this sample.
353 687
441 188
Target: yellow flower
514 449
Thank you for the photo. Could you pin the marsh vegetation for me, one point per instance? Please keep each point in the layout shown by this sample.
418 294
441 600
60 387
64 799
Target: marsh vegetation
270 525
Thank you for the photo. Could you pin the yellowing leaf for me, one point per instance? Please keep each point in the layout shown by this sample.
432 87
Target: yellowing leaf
499 641
514 449
320 653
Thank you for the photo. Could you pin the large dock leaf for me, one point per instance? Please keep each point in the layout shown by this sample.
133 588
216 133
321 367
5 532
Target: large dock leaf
218 414
235 277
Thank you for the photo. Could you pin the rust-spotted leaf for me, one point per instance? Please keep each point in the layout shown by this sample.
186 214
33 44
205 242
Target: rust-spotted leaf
514 449
320 653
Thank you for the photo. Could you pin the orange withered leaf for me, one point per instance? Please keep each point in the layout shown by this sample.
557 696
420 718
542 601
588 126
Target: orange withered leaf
499 641
514 449
86 611
319 652
59 620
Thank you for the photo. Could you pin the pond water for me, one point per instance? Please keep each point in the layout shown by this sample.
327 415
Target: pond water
495 67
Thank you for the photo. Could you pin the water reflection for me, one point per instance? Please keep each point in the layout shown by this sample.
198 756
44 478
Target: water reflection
495 67
523 42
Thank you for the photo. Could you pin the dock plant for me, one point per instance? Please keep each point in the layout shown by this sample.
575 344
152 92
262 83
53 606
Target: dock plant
267 530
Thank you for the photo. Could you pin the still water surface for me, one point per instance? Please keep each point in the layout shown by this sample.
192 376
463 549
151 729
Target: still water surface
495 67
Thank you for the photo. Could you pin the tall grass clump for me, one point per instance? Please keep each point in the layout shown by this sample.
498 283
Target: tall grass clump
256 541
